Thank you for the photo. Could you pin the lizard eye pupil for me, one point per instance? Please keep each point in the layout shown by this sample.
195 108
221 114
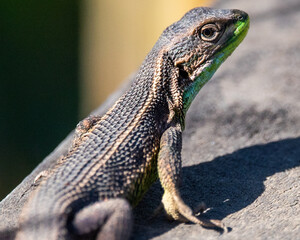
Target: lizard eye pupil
209 32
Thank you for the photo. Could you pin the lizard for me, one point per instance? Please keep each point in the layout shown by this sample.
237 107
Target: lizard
116 157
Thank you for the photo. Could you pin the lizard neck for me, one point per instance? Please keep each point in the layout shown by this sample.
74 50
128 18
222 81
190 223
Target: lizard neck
160 80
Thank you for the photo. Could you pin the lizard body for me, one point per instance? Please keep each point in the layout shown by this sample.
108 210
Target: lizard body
116 157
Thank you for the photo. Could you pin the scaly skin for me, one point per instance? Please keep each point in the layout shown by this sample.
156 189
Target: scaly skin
116 157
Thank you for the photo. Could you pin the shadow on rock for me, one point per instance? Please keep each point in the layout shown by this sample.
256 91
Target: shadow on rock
227 184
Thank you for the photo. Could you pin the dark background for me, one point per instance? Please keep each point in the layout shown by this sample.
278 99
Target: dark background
38 82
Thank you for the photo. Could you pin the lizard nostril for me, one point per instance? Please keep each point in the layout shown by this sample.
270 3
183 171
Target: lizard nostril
240 15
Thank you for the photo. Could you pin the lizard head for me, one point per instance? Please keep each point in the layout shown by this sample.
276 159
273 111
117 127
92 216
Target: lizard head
200 42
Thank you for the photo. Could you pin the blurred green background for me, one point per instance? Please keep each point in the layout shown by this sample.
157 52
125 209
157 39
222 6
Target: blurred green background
61 59
38 82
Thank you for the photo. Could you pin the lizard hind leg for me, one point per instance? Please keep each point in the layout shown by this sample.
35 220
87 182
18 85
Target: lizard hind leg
111 219
83 127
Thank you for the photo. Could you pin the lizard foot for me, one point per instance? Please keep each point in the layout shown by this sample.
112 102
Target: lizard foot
176 209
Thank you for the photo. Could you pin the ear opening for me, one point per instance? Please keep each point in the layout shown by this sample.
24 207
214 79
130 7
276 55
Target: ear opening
182 73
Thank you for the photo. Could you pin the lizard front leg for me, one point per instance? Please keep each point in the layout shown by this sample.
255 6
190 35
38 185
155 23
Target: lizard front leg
169 171
110 219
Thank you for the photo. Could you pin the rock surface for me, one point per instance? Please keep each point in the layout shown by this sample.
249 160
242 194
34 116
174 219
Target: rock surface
241 148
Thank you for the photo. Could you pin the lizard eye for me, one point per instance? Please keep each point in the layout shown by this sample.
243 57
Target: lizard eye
209 32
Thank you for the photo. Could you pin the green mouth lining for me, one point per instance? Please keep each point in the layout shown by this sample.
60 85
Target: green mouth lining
238 35
241 29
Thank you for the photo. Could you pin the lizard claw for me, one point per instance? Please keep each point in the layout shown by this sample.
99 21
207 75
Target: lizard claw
176 209
201 208
157 211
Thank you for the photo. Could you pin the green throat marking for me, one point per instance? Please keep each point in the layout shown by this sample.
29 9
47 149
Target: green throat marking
241 29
